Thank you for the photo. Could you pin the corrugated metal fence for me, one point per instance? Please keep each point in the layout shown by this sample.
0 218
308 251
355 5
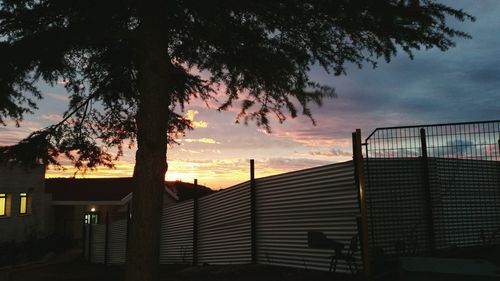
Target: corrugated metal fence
110 250
96 234
117 242
176 236
217 229
224 226
289 205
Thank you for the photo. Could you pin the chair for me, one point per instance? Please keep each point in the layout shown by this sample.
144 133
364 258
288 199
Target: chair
318 240
348 256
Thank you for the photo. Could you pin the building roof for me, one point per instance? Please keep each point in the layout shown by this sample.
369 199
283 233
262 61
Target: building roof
106 191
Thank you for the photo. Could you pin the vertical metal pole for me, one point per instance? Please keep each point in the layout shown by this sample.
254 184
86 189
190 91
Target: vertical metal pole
106 239
360 184
427 192
90 239
195 223
84 237
253 218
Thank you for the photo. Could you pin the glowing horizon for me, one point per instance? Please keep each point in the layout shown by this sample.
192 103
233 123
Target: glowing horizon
211 175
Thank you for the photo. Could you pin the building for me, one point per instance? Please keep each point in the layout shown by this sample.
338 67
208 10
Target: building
32 207
25 208
77 202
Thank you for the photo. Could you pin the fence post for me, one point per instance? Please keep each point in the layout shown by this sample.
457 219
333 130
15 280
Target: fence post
253 218
106 239
427 192
84 237
195 223
359 178
90 240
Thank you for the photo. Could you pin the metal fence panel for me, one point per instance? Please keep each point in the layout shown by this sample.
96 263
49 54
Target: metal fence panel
224 235
468 206
176 234
98 243
117 242
395 200
289 205
432 187
86 241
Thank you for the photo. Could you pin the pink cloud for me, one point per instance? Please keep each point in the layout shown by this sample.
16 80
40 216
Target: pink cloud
51 117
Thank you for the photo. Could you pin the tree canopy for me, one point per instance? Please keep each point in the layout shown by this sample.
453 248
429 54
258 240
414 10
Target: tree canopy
259 52
131 66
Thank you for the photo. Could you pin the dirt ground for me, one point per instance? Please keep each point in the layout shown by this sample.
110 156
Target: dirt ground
72 268
82 271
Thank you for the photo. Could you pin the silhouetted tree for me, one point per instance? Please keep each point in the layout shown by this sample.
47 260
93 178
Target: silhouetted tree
129 65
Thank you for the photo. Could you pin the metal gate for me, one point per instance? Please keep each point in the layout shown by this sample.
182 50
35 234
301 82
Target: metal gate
432 187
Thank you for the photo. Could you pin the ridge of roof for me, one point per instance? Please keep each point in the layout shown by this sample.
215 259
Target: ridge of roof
96 189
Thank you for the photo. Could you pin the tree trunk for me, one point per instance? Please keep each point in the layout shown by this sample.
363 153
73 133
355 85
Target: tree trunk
151 161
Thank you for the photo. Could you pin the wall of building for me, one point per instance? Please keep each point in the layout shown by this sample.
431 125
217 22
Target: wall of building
38 221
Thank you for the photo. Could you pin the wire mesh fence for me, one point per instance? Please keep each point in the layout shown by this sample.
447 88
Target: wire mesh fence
433 187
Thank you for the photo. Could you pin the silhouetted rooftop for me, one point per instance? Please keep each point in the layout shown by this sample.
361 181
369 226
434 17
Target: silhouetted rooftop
108 189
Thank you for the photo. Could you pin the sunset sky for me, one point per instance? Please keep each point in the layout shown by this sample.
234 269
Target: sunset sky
462 84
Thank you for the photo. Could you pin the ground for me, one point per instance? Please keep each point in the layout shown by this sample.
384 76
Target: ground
71 267
82 271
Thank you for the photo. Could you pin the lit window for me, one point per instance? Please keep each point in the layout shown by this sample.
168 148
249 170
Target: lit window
23 203
3 204
91 218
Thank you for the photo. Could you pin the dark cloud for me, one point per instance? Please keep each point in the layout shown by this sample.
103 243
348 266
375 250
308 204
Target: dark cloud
462 84
334 152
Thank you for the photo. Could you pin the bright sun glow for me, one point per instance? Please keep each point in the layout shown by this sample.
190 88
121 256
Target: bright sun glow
179 177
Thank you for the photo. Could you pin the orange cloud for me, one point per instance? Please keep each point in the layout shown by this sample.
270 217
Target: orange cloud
200 124
122 169
201 140
196 124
